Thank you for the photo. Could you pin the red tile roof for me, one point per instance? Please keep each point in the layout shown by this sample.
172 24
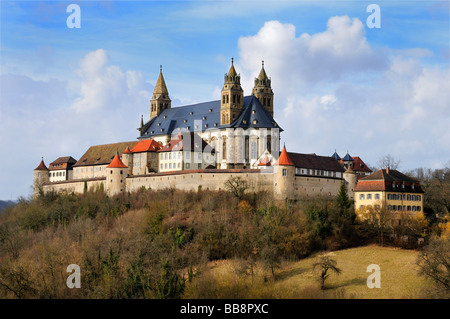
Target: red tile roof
360 166
41 166
127 151
265 161
284 159
388 180
116 162
146 146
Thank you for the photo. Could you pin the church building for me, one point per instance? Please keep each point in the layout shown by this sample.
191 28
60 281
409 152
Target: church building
239 128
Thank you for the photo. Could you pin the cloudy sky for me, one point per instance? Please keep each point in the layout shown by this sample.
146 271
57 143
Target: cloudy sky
338 84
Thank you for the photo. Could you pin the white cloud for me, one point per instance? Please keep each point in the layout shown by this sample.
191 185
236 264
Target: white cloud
40 118
333 90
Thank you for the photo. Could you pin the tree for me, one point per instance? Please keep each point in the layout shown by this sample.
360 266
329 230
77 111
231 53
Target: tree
237 186
434 262
388 161
379 219
344 203
326 263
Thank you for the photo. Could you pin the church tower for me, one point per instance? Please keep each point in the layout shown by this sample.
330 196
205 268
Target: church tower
232 97
160 99
263 91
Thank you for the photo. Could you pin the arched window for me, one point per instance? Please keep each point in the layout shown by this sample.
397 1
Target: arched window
224 147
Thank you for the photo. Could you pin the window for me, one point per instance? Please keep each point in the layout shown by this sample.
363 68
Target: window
199 156
369 196
284 172
165 166
377 196
179 165
390 207
188 165
199 166
418 208
170 165
408 197
408 208
170 155
361 196
418 198
162 166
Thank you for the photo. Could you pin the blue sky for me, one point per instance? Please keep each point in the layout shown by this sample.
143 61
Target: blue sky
338 84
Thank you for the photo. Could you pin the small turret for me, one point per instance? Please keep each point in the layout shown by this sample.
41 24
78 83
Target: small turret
284 177
40 176
350 180
116 174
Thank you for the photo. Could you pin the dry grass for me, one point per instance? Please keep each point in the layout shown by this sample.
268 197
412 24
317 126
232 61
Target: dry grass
399 277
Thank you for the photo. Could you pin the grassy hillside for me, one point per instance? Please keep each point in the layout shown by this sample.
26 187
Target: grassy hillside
197 244
399 277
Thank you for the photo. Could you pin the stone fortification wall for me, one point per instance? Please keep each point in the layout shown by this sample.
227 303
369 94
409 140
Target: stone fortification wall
311 186
76 186
209 179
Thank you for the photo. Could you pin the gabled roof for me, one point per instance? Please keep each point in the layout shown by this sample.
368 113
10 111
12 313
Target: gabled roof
284 159
388 180
41 166
187 141
102 154
206 116
265 161
313 161
116 162
360 166
146 146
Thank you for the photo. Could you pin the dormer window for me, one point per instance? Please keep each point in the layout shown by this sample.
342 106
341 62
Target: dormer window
206 125
204 118
255 121
190 113
244 121
215 124
159 124
165 116
185 121
210 110
253 111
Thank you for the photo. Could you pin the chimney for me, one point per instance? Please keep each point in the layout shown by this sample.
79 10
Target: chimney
387 170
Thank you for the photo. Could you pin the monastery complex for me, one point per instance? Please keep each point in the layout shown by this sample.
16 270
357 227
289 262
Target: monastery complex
201 146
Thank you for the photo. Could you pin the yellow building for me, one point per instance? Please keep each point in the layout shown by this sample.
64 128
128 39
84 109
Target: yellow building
388 189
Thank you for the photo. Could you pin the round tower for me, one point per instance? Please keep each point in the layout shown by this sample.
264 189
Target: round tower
40 176
116 174
127 158
350 180
284 177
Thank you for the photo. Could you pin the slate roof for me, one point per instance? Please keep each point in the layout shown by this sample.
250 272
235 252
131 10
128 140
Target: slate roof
103 154
388 180
206 116
313 161
347 157
336 156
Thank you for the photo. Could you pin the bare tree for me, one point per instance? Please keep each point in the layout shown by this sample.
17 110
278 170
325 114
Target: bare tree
434 262
388 161
326 263
237 186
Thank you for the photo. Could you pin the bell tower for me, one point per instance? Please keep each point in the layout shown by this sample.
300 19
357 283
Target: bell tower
263 90
232 97
160 99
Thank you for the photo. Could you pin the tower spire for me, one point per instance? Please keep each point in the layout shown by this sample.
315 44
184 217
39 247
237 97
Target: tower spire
232 96
262 90
160 99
